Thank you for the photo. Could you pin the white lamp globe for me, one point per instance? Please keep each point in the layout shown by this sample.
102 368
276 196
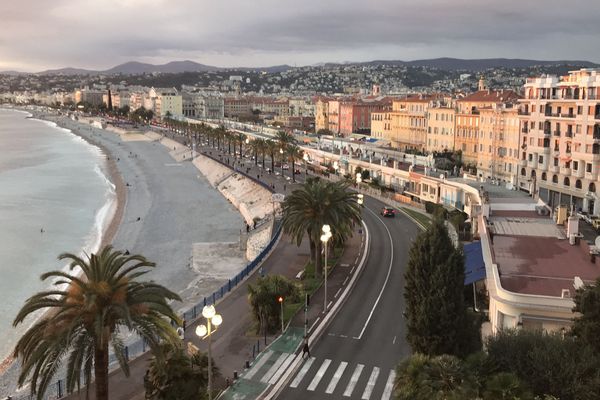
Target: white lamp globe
201 331
326 228
217 320
208 311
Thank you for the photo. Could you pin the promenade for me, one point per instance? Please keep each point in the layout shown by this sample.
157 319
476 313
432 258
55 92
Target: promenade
235 343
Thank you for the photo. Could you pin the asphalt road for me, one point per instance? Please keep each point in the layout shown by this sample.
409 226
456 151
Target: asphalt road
358 352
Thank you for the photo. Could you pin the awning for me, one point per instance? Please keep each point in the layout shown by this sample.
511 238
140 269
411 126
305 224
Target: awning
474 265
371 140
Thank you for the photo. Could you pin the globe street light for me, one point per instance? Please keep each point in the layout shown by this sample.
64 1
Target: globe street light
336 166
305 158
206 331
325 238
360 199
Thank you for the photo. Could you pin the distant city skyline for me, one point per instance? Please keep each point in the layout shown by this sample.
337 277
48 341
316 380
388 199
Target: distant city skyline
36 36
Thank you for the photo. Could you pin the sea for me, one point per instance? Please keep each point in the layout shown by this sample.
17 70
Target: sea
54 197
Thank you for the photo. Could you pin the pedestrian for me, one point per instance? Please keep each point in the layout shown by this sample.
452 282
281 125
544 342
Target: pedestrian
247 228
254 224
184 324
305 348
261 271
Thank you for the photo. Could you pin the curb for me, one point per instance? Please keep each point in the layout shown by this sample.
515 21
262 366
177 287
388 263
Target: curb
318 332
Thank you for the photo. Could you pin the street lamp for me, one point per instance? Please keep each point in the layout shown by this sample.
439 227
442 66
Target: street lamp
206 331
325 238
280 300
336 166
360 199
358 178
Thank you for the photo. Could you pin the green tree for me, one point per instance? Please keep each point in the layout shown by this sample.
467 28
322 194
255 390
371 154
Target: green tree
263 298
437 319
587 325
86 315
294 153
315 204
174 375
550 364
272 149
506 386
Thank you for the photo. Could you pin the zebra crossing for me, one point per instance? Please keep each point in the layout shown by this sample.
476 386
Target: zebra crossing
352 380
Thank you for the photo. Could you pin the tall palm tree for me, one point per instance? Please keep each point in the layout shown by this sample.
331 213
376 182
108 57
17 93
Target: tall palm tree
261 146
294 153
87 315
283 139
272 148
314 204
239 139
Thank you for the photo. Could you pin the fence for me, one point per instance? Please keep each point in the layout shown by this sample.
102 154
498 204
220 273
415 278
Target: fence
139 347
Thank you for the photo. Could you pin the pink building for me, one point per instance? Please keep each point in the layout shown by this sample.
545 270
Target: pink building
355 116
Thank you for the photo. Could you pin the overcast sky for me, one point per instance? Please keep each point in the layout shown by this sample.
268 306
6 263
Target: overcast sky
41 34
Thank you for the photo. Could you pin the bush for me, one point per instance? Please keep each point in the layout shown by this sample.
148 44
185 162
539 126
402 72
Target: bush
263 297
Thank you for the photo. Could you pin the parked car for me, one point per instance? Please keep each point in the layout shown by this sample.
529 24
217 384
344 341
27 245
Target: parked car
388 212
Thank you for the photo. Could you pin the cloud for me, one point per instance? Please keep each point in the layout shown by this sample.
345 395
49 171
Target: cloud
38 34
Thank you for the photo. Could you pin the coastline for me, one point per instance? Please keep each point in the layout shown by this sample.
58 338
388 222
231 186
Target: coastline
109 167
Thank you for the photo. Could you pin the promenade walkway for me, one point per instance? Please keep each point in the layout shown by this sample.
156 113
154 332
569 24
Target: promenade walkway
235 343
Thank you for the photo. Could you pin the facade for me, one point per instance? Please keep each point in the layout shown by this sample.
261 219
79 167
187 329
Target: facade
167 101
440 129
237 106
560 145
381 125
333 116
498 152
355 116
322 114
409 122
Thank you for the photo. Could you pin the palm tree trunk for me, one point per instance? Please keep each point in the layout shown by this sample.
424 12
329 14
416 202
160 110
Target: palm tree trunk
101 372
293 171
273 162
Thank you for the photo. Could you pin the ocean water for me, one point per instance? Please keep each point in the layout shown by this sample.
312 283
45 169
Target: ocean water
50 179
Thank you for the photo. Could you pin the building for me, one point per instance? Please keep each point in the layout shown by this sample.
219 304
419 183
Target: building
90 96
167 102
381 125
409 122
237 106
322 114
440 128
355 115
333 116
467 119
560 144
498 152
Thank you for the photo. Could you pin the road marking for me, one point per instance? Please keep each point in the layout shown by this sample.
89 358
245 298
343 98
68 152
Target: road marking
302 372
281 369
336 377
387 278
352 270
274 367
389 386
172 165
343 336
370 384
394 341
319 375
258 365
353 380
345 281
329 305
338 292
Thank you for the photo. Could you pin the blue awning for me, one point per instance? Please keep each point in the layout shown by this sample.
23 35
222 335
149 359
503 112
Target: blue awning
474 265
371 140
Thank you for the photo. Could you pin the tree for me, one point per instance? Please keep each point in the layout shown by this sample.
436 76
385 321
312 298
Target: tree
86 315
294 153
271 149
263 298
174 375
437 320
314 204
550 364
587 325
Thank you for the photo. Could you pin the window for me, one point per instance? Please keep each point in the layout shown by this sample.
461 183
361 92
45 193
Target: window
544 176
523 173
588 168
579 110
578 184
566 182
576 165
541 159
529 157
554 179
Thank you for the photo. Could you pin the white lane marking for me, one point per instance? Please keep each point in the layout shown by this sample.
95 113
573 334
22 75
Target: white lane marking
302 372
172 165
338 292
319 375
389 386
353 380
281 369
352 270
329 305
258 365
274 367
336 377
387 278
370 384
394 341
345 281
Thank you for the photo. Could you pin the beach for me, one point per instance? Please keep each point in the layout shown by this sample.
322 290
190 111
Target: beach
165 209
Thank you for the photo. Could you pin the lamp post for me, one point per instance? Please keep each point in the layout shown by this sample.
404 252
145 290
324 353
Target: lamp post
280 300
305 158
325 238
336 167
360 199
206 331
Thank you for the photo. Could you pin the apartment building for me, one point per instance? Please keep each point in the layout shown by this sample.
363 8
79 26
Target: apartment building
381 125
560 143
409 122
237 106
440 128
355 115
333 116
167 101
322 113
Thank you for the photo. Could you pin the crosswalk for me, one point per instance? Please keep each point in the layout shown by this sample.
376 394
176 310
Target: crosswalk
348 379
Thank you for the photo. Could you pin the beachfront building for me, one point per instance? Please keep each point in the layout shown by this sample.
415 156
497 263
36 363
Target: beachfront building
467 130
355 115
167 101
322 114
301 107
333 116
498 152
90 96
440 128
409 122
381 125
237 106
560 151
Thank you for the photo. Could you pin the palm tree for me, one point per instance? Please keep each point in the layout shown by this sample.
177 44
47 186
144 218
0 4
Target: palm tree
294 154
239 139
284 139
272 148
314 204
261 146
87 315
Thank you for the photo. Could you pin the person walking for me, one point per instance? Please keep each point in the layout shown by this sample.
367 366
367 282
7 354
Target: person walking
305 348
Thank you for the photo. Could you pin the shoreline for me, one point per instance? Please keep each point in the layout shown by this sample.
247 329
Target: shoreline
109 167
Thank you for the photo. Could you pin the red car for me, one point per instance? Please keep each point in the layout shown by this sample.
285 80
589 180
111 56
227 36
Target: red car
388 212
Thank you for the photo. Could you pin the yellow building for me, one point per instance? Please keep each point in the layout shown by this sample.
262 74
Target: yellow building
498 152
409 122
381 125
440 128
322 114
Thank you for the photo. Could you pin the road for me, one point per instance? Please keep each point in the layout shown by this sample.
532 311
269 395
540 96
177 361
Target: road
356 356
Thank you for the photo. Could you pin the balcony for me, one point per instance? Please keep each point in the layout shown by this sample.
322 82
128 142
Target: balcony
525 129
569 134
554 169
556 132
567 115
522 163
524 112
532 163
578 173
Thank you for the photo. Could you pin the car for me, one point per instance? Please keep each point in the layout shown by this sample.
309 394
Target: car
388 212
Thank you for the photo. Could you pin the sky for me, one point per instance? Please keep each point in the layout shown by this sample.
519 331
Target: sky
40 34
